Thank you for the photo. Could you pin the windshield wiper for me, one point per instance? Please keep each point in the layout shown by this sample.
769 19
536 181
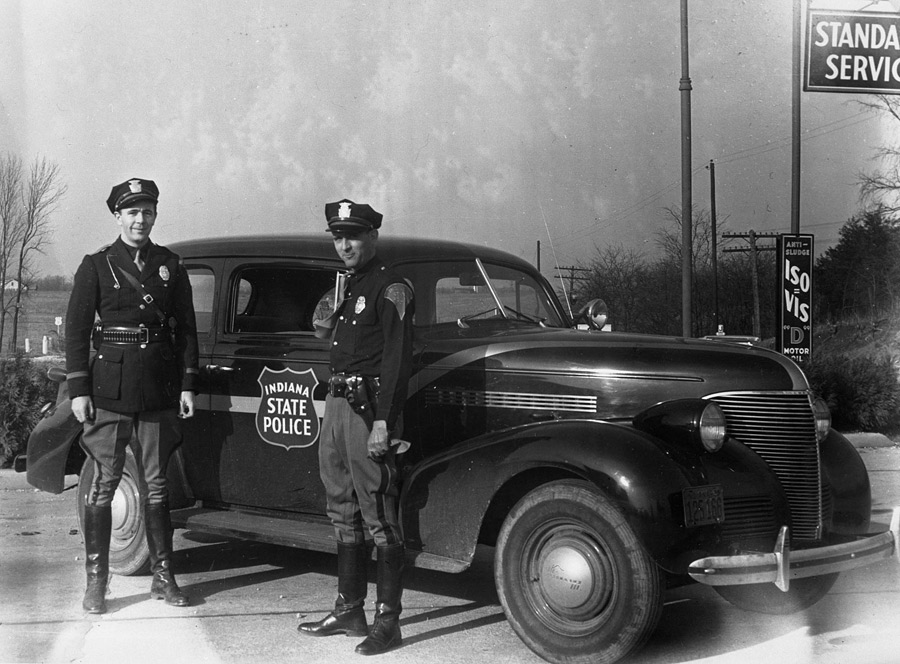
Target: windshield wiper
487 280
501 308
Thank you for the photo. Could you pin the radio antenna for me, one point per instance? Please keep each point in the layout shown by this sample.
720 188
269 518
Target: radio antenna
556 262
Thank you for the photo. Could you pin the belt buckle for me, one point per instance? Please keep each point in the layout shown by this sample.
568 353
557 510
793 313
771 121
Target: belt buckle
144 335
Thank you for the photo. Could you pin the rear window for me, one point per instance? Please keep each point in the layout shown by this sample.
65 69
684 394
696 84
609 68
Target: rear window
270 299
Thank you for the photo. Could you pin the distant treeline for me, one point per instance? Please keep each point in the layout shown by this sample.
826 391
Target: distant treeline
54 282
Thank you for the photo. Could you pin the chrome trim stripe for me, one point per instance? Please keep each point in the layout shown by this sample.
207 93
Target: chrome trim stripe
235 404
566 402
458 360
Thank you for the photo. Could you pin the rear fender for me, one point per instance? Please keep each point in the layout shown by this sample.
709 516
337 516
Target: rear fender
50 446
446 499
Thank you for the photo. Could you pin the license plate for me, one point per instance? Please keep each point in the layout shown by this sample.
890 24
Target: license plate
703 505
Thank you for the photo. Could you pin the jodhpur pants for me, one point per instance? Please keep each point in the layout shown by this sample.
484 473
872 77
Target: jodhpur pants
360 493
152 436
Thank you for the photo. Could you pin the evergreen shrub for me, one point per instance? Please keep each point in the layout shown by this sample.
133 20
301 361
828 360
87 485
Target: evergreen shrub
24 389
862 392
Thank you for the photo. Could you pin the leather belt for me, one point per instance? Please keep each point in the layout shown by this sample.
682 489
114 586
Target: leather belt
133 335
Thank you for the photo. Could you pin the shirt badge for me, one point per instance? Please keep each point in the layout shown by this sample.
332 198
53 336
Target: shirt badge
164 273
360 304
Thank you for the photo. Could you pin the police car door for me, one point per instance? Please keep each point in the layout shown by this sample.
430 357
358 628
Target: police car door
268 378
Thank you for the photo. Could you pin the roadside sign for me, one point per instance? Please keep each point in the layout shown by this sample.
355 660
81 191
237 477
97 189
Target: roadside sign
855 52
795 256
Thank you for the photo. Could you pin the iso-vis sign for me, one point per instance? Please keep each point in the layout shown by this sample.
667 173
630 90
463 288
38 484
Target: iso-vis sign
852 52
795 256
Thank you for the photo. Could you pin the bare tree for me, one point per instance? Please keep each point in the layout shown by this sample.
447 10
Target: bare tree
41 194
616 275
705 282
10 227
669 240
881 187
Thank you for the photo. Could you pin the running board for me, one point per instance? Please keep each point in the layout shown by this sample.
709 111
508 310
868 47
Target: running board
310 535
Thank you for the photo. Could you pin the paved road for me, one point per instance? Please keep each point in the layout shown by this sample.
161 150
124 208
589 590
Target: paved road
249 597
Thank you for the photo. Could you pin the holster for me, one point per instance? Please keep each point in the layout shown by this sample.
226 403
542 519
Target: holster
97 334
360 398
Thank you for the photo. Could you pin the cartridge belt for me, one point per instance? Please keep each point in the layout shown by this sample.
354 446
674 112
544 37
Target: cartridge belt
133 335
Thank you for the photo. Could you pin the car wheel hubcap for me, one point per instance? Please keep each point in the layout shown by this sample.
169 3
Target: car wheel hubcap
572 581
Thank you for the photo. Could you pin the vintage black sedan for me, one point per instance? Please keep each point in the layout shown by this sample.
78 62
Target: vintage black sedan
603 467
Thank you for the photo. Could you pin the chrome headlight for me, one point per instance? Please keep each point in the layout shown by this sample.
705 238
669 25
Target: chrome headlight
697 423
712 427
823 419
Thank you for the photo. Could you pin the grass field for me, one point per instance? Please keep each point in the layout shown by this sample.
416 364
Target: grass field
37 319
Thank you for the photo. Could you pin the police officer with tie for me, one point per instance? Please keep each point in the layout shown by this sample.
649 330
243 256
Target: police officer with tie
371 362
132 302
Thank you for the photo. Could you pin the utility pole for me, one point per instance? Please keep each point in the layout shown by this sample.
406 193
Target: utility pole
687 204
572 278
754 250
795 121
715 257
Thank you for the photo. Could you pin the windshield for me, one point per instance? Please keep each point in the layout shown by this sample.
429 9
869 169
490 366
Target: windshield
456 292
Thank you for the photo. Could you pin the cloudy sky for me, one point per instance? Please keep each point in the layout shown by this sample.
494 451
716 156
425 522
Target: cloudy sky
502 122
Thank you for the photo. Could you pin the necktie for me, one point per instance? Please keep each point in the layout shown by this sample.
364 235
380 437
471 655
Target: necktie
138 260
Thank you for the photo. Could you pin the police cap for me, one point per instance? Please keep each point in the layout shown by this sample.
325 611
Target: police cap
131 191
345 215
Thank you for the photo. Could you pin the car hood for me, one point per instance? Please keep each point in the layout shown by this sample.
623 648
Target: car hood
628 372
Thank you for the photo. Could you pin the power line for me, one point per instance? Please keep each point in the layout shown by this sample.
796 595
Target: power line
748 153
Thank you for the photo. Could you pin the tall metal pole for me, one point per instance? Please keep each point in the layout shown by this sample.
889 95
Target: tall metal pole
713 239
686 201
795 122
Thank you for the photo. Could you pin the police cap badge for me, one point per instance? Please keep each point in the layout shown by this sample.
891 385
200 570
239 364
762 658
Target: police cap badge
131 191
345 215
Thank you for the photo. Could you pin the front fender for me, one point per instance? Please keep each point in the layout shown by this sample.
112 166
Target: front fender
49 447
845 471
446 498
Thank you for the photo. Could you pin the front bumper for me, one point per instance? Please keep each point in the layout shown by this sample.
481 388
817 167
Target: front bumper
782 565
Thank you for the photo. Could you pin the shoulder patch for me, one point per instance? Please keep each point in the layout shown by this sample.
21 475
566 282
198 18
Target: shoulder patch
400 295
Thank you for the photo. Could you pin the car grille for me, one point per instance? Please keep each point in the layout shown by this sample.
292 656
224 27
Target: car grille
749 518
780 428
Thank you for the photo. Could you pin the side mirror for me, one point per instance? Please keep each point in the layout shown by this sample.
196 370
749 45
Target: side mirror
594 313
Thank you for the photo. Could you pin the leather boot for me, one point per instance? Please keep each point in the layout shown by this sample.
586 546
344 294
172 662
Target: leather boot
159 539
348 616
97 529
385 633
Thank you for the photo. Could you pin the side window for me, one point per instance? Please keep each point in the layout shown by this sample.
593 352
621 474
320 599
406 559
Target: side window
272 299
203 285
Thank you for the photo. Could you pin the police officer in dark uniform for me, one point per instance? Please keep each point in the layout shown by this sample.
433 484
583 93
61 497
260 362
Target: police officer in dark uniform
132 301
371 362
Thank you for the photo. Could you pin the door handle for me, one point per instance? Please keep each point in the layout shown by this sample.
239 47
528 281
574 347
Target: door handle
217 367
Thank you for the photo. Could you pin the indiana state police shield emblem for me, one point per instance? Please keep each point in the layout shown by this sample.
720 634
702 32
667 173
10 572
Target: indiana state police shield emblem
287 415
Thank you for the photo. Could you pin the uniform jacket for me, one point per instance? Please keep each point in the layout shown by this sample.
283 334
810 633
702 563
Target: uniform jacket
374 335
128 378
